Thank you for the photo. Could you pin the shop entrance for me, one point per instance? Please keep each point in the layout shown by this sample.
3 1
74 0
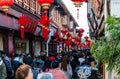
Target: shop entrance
21 46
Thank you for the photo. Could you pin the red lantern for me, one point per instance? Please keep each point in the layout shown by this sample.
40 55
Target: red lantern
80 35
22 32
45 3
86 38
80 30
5 4
44 20
64 31
78 4
68 35
67 42
88 43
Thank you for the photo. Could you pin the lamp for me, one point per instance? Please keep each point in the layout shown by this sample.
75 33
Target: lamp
77 4
5 4
45 3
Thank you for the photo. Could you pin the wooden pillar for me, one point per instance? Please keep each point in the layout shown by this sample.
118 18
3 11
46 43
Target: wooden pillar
5 43
31 47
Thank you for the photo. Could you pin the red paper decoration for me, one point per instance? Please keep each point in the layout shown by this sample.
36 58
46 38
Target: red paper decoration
44 20
45 32
5 4
45 3
23 20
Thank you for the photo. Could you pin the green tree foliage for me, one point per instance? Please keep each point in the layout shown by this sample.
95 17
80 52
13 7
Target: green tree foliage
107 49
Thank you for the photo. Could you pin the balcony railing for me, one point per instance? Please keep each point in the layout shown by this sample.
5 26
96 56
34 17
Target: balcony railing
30 5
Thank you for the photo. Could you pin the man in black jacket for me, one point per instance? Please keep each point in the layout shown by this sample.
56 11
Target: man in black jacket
8 65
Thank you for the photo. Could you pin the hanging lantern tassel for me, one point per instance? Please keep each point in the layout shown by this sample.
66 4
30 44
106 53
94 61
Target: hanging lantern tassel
22 32
6 17
77 13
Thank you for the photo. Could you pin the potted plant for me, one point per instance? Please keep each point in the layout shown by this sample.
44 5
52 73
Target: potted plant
107 48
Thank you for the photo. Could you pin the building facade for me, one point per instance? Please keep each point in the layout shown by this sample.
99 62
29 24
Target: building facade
96 18
10 38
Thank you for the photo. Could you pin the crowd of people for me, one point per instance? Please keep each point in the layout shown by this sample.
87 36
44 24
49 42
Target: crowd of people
62 65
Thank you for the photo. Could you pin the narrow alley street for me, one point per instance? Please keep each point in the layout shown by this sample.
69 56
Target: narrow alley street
59 39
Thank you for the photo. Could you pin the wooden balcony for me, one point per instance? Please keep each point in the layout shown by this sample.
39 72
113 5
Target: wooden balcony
30 5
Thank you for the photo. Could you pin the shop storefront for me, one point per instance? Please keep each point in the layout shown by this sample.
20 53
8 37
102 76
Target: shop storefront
36 48
21 46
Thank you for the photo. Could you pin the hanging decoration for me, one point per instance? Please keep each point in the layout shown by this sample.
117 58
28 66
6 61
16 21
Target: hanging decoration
81 30
44 20
86 38
64 31
67 42
29 23
45 32
5 4
22 21
22 32
78 4
56 35
45 3
88 43
80 35
68 35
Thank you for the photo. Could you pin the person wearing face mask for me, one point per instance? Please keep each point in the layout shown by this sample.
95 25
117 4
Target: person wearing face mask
3 73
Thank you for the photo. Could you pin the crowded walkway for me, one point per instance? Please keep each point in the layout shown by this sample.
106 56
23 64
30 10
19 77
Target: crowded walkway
63 65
